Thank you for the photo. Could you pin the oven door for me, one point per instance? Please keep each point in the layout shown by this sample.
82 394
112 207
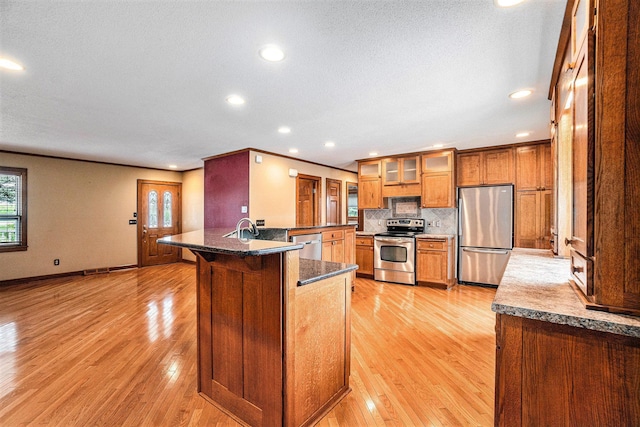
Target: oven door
394 253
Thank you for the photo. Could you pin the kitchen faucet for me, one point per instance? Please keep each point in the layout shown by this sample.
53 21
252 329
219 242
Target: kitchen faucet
252 228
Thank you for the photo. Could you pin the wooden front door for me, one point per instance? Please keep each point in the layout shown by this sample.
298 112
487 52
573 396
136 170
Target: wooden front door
159 215
307 206
334 197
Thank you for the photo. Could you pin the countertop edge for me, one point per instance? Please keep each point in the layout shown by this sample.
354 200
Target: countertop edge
536 286
569 320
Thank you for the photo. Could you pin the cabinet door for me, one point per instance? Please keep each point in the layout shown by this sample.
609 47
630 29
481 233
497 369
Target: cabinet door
410 169
582 163
546 167
432 267
527 219
349 247
369 194
337 252
364 259
498 167
546 218
369 169
437 190
468 166
391 172
527 168
327 251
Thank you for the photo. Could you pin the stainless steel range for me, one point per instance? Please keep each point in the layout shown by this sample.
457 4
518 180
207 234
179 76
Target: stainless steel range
394 253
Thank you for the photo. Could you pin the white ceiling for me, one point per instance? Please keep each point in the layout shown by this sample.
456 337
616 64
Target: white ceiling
144 82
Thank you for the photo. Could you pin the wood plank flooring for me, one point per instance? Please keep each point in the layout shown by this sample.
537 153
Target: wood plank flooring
119 349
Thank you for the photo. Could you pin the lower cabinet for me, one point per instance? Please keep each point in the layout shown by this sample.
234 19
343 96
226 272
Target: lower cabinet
533 219
435 262
333 246
364 256
558 375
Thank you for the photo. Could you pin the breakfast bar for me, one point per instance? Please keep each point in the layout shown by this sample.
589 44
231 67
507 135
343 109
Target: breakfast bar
274 332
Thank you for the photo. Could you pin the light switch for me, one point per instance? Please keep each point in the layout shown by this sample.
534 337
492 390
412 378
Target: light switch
243 209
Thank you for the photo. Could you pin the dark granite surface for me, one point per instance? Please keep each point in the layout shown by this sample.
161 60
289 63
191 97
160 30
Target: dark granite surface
313 271
213 240
536 286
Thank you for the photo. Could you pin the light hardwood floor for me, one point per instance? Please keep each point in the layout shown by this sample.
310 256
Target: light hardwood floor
119 349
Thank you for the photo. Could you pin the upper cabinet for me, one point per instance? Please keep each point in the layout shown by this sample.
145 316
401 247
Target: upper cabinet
438 179
534 168
369 184
401 176
488 167
598 121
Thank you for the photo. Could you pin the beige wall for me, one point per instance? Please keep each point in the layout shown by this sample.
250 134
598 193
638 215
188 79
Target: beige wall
79 213
272 195
192 205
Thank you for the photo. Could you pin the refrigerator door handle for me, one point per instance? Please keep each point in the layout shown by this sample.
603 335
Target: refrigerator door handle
460 209
487 251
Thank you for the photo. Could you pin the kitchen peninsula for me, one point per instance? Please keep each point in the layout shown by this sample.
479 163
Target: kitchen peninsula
274 332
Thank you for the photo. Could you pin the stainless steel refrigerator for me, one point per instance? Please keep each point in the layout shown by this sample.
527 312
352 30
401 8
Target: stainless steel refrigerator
485 233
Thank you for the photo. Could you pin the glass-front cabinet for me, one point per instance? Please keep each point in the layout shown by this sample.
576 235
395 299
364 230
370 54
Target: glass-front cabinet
401 170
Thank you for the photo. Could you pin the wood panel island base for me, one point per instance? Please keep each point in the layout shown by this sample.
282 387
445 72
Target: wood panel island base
274 330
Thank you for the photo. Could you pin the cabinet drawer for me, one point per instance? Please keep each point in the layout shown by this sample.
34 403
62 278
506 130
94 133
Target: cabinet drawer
432 245
582 273
364 241
332 235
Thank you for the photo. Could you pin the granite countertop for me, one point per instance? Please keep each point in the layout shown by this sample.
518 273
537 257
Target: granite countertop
213 240
536 286
313 271
313 227
365 233
435 236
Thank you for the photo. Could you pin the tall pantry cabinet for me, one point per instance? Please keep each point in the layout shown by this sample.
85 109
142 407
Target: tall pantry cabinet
598 68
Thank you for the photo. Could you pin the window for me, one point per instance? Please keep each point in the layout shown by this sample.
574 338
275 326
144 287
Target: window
13 209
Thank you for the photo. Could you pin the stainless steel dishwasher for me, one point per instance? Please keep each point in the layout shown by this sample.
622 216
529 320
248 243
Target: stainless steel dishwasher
312 245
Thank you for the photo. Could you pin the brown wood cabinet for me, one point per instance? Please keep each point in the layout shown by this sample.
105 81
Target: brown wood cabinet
604 133
271 352
557 375
401 176
438 180
333 246
485 167
534 167
435 262
534 196
369 185
364 256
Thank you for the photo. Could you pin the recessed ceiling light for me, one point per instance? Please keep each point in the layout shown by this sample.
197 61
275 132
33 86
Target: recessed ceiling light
522 134
438 145
507 3
293 150
271 53
284 129
373 153
10 65
329 144
235 100
520 94
173 167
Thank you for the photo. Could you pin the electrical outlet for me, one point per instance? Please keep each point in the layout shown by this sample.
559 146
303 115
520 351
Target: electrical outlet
438 223
243 209
56 261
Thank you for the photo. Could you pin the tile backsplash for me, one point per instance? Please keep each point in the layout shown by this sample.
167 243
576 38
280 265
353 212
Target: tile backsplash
375 219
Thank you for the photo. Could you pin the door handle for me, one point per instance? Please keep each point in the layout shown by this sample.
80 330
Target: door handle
486 251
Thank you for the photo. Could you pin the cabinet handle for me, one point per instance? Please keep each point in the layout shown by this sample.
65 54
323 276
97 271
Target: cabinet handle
567 241
575 269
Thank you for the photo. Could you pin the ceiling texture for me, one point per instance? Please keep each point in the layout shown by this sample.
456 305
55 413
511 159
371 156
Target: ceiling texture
144 82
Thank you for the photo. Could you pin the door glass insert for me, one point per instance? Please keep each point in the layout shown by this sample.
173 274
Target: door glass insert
153 209
166 214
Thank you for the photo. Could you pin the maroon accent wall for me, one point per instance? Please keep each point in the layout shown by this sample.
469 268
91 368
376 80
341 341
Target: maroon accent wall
226 189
